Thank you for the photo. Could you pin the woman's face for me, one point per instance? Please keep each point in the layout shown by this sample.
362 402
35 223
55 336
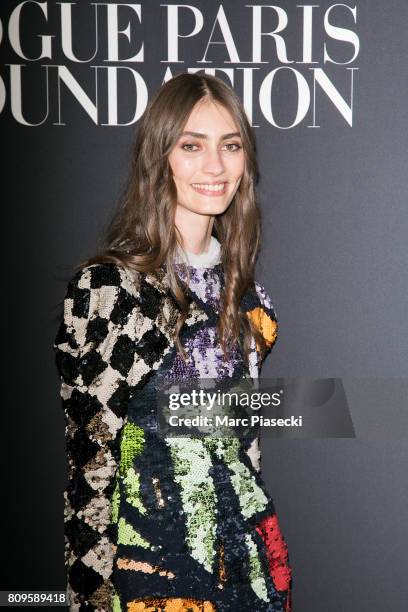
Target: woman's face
208 160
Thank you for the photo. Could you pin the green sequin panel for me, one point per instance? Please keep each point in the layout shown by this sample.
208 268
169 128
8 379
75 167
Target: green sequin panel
131 445
192 463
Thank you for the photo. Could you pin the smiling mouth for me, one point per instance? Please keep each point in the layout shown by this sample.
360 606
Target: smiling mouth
210 189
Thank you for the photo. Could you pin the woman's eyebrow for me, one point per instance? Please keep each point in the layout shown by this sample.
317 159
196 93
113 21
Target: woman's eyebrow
204 136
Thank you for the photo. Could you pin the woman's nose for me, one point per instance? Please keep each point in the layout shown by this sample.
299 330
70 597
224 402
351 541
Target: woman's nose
213 162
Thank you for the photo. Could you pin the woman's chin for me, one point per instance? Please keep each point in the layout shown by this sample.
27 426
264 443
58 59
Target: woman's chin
209 206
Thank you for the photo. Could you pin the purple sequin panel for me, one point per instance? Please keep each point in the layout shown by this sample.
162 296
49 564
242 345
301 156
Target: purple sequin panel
205 358
205 355
206 283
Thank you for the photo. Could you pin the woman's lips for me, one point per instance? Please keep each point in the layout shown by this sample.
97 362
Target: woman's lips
210 190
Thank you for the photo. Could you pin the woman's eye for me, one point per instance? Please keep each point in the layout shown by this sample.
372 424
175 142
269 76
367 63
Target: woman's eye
233 146
189 147
230 147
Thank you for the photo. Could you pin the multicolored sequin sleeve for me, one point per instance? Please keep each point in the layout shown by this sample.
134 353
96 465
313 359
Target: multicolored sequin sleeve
261 312
265 318
92 428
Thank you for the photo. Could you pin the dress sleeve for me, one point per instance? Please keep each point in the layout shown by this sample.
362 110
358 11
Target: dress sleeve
263 316
92 431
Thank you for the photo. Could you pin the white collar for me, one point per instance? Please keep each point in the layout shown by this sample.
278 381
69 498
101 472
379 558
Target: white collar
206 259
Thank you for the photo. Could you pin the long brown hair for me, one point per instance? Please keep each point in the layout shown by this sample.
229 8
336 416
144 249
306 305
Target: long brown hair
142 235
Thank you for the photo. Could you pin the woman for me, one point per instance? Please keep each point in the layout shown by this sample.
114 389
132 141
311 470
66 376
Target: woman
155 523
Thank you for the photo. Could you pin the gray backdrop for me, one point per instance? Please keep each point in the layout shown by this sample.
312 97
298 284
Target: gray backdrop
333 196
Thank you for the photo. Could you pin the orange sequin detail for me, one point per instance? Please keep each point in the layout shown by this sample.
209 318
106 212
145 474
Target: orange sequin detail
142 566
263 322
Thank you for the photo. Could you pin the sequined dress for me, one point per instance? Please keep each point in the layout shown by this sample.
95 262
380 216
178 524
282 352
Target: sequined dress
197 529
153 523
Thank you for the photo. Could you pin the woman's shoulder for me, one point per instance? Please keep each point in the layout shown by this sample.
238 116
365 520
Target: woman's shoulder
110 291
103 278
97 275
98 297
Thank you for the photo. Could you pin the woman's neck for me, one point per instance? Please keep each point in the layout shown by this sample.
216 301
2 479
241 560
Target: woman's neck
195 230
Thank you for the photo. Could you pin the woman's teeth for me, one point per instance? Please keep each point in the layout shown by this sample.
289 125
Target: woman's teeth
205 187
